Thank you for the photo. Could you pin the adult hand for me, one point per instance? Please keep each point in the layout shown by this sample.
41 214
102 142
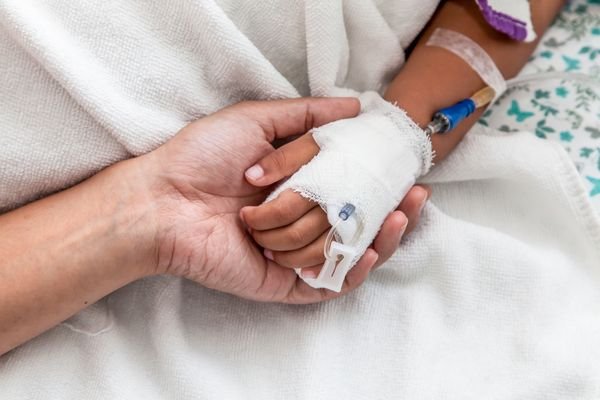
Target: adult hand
293 229
197 181
200 188
174 210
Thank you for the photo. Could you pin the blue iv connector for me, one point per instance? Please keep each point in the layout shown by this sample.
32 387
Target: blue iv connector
447 118
346 211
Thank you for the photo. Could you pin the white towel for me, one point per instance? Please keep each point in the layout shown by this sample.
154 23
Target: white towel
495 295
85 84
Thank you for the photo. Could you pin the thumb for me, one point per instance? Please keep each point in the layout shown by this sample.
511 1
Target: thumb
284 118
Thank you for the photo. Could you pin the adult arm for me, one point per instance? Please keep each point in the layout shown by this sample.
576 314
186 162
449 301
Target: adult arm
174 211
59 254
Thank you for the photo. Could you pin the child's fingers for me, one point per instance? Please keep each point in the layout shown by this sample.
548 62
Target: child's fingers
385 244
308 256
296 235
282 162
281 211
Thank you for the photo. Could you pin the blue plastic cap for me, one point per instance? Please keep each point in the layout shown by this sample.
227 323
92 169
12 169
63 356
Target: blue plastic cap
458 112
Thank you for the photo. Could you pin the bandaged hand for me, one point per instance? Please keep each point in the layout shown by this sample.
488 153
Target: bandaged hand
292 229
369 162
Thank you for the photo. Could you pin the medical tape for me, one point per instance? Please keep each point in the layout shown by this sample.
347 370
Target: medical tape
472 54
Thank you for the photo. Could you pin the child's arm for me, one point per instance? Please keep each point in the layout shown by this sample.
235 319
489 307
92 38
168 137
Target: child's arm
433 78
293 228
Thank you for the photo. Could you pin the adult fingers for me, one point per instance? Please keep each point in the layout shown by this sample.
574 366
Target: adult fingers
388 239
284 118
413 203
301 293
400 222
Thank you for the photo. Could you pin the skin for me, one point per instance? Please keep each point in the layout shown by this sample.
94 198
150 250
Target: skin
172 211
296 236
175 210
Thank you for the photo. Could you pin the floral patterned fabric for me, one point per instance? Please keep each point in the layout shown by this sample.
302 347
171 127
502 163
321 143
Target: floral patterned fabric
563 110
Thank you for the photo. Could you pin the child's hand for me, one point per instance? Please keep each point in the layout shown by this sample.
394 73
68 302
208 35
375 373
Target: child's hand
292 229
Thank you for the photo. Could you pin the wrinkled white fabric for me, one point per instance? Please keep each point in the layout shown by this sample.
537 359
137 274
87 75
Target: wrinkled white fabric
370 161
495 295
86 84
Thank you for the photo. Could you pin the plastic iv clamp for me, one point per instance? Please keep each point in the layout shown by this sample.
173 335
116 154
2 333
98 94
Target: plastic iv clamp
338 255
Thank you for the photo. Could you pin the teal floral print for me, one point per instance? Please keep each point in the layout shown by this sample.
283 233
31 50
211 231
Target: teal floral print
564 110
566 136
561 91
515 110
595 185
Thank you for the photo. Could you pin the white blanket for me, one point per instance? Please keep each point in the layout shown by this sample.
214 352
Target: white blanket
495 295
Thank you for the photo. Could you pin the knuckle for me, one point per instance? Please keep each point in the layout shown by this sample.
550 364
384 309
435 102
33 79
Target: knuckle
295 236
279 160
309 120
323 221
283 209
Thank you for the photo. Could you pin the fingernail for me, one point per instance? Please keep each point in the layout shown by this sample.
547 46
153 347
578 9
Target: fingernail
268 254
308 274
375 261
423 202
422 206
255 172
427 190
376 257
403 229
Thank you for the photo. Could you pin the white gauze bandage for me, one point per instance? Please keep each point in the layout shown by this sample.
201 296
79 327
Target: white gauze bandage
371 162
472 54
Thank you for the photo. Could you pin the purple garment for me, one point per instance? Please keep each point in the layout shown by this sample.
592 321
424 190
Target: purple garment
513 27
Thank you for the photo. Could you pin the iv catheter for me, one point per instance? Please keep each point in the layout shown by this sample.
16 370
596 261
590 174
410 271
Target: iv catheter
447 118
338 256
340 245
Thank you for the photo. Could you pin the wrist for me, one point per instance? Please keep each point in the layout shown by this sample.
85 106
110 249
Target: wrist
418 111
432 79
131 206
169 208
416 101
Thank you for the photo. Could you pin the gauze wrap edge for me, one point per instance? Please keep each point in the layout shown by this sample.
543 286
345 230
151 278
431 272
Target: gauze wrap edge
370 161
